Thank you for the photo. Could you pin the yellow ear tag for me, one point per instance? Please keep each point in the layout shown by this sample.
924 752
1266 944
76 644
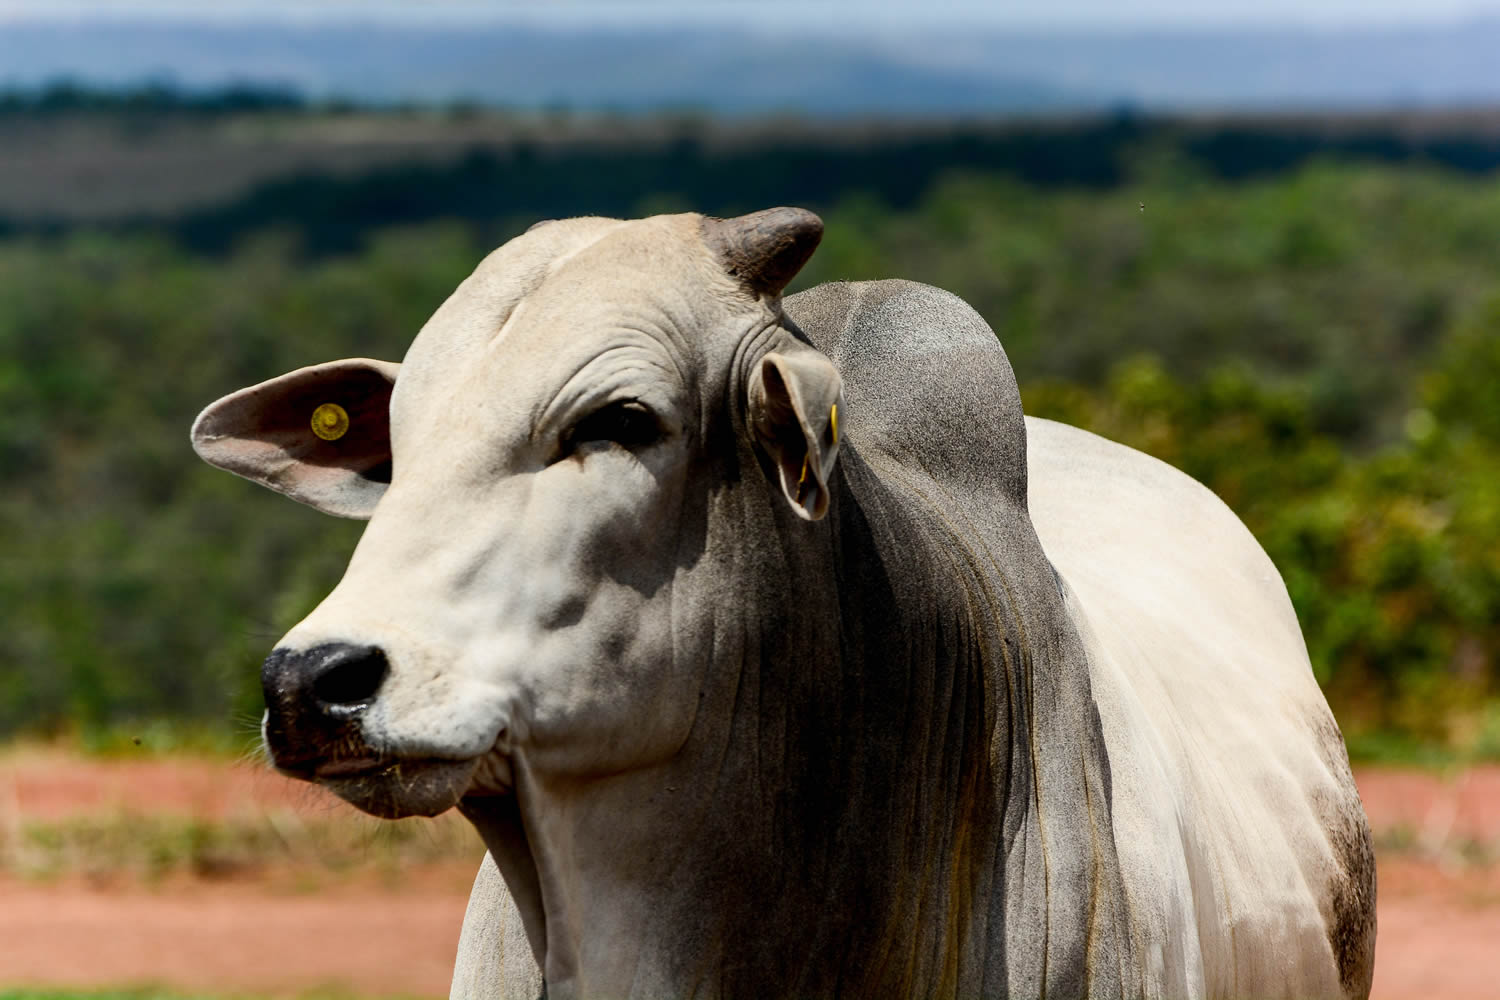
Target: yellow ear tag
330 422
833 421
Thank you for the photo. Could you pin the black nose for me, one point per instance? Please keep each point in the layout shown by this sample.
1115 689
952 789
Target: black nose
336 677
314 700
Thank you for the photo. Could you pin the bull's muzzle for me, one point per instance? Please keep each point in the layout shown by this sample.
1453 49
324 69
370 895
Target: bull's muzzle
314 702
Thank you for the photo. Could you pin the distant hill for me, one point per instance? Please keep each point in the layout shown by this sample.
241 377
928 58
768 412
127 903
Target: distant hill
1265 67
867 69
709 69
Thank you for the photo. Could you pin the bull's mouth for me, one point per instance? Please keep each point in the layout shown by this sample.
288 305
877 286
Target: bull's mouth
372 778
394 787
353 767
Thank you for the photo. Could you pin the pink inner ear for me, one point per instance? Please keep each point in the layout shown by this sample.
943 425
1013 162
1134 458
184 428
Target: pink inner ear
265 433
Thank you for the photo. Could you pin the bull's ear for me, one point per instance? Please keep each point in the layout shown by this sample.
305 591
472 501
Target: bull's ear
794 396
320 435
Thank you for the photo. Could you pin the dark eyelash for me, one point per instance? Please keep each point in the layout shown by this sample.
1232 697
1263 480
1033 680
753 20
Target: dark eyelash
628 424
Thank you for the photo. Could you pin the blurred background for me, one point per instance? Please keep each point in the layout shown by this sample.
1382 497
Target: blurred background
1259 239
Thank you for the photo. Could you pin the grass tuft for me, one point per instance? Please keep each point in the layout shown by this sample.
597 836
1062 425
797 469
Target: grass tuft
151 847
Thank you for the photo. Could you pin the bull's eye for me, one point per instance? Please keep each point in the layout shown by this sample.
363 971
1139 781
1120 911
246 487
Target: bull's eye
628 424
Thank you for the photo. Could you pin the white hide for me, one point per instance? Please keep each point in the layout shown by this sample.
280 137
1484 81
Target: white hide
1204 691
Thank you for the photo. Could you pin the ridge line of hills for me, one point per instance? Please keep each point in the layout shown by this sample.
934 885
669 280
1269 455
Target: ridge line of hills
723 69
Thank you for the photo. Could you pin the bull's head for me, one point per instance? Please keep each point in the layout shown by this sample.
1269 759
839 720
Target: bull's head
538 583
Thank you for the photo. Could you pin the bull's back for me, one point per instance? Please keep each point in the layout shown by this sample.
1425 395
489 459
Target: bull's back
1234 809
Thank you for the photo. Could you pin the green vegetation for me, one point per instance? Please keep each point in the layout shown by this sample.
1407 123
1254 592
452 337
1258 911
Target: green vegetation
1320 347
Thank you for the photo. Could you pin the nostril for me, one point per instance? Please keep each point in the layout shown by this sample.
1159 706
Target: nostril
351 676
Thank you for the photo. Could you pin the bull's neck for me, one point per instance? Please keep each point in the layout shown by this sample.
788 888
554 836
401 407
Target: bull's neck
868 805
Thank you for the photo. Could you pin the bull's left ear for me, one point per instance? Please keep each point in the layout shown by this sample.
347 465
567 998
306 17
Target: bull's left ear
319 435
794 396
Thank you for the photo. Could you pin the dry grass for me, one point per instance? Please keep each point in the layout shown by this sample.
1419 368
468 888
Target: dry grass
151 847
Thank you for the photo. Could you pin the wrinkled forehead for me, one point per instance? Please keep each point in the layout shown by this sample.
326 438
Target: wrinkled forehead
558 294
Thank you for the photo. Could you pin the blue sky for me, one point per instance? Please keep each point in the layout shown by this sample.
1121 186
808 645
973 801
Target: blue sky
789 13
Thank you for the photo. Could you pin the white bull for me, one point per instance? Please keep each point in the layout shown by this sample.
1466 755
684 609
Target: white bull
774 653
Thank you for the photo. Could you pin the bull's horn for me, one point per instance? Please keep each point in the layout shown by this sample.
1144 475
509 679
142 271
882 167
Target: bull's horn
764 250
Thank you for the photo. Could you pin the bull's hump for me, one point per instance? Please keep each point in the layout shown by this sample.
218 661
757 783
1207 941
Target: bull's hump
925 380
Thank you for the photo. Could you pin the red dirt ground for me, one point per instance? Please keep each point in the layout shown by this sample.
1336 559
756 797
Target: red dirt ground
1439 915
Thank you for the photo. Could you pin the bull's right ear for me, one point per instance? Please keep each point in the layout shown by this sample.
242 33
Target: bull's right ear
794 395
320 435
